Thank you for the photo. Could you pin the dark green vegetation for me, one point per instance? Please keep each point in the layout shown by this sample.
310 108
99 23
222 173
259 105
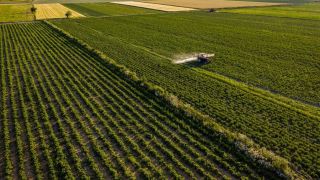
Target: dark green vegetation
107 9
305 11
275 55
66 113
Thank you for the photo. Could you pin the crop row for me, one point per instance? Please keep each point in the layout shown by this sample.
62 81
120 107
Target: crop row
146 44
66 115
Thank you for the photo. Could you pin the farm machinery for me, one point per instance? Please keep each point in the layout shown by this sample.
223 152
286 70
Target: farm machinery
201 58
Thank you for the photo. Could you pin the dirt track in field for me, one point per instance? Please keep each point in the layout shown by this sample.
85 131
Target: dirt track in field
52 11
154 6
205 4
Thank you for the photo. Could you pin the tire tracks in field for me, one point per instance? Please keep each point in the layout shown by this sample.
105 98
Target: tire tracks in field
289 103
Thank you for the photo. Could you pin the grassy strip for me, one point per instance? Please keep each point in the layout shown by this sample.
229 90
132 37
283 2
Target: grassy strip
256 153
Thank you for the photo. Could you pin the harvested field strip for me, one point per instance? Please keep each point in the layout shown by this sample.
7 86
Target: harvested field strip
206 4
153 6
82 119
52 11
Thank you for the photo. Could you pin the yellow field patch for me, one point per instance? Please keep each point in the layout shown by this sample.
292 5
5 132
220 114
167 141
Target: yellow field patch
153 6
52 11
206 4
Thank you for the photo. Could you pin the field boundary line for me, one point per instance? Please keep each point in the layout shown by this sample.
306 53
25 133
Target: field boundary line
256 153
19 22
125 15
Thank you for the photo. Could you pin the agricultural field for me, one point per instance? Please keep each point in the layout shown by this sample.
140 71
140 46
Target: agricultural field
67 113
73 1
107 9
160 7
53 11
284 1
206 4
262 82
13 1
305 11
160 89
70 1
12 13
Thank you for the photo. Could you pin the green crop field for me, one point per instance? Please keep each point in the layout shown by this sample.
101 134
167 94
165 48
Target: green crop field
66 113
305 11
12 13
263 81
107 9
111 96
13 1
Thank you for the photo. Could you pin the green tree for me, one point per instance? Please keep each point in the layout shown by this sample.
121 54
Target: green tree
33 11
68 14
